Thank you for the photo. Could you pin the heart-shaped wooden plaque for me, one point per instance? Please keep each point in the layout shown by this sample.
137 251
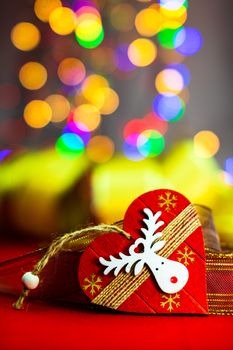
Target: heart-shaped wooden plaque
161 269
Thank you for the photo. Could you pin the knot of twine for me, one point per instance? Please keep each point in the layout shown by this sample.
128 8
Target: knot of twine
58 245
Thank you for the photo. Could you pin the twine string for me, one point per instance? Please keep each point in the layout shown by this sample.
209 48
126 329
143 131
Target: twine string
59 244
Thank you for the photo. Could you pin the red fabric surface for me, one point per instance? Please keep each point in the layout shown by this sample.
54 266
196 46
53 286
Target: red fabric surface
43 326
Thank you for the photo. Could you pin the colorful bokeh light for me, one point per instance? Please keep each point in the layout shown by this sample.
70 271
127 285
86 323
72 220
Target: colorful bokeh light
71 71
169 81
92 83
43 8
4 153
188 41
150 143
130 148
87 117
73 128
37 114
89 31
60 107
100 149
33 75
142 52
70 145
62 20
25 36
148 22
169 108
228 176
166 38
206 144
106 100
122 60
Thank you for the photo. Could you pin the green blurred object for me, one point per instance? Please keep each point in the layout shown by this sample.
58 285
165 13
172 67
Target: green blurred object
43 193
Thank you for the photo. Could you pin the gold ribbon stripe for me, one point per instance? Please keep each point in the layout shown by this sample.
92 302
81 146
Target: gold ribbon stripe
117 291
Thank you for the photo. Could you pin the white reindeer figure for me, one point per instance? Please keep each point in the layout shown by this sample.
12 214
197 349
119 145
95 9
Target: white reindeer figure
170 275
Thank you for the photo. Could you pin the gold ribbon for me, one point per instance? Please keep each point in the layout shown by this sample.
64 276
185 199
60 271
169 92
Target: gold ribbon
176 232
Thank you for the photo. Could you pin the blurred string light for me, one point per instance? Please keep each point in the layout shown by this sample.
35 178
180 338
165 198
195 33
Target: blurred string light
100 149
86 96
169 107
148 22
70 145
169 81
4 153
142 52
228 175
73 128
206 144
37 113
62 20
121 59
43 8
60 107
87 117
25 36
71 71
33 75
89 30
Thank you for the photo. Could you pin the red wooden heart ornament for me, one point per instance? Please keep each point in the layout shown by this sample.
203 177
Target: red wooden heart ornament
161 269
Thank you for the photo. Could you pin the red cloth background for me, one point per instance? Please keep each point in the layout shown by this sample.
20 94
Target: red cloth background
43 326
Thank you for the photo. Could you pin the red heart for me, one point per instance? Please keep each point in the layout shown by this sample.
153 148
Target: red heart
142 293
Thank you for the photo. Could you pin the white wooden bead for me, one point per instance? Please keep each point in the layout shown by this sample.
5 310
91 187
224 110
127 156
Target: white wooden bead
30 280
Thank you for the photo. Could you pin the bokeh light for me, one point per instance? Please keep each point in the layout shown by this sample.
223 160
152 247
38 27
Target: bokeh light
89 31
149 121
122 17
122 60
183 70
166 38
188 41
87 117
71 71
206 144
70 145
62 20
73 128
172 5
25 36
37 113
91 84
169 108
228 166
43 8
100 149
150 143
60 107
130 148
148 22
33 75
106 100
173 19
142 52
169 81
4 153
